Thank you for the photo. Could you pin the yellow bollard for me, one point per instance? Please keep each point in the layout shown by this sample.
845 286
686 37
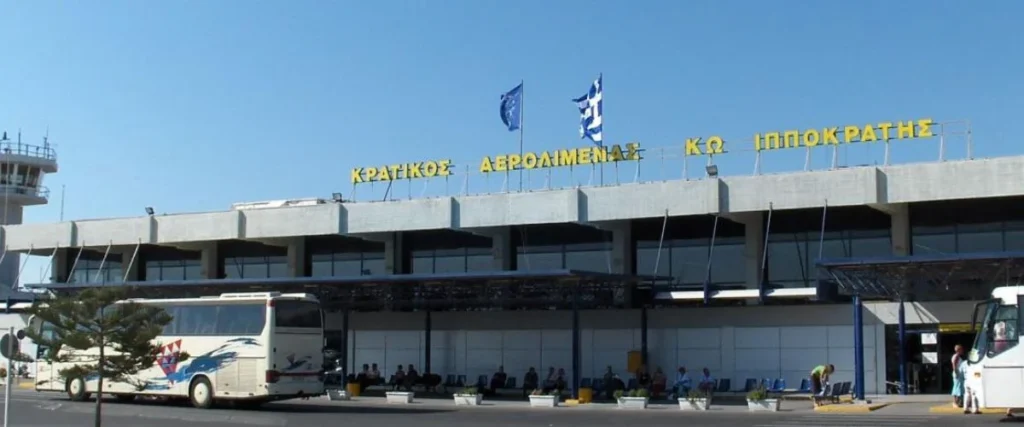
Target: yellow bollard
352 389
586 395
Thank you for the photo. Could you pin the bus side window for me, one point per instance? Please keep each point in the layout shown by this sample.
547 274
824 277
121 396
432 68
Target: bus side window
1004 330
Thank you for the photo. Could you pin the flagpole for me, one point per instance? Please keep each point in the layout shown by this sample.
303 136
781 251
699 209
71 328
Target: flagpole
522 100
600 77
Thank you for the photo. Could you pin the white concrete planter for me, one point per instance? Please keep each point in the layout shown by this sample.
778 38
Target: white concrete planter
633 402
543 401
694 405
771 405
399 397
468 399
337 394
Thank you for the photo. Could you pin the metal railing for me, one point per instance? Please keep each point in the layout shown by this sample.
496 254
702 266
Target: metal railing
8 147
24 190
951 140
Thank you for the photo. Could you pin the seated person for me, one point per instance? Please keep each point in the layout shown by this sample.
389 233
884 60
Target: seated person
399 378
498 380
411 378
364 378
549 381
373 375
560 381
658 382
707 382
430 381
643 378
530 381
613 385
683 383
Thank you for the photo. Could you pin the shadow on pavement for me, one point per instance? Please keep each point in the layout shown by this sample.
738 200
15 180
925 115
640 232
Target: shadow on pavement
283 407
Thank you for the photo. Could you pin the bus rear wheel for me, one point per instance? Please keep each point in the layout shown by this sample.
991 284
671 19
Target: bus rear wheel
201 393
76 389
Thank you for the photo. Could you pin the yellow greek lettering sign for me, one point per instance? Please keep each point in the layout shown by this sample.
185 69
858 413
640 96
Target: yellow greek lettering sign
427 169
884 131
559 158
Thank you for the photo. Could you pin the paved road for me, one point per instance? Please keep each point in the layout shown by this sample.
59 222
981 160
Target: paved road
29 409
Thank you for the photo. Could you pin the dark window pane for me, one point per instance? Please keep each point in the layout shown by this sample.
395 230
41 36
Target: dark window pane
871 247
297 314
787 261
925 244
539 261
980 238
193 270
241 319
152 271
450 264
423 264
480 262
253 271
693 261
197 320
597 260
348 268
730 265
278 267
173 272
374 266
647 262
321 268
1015 240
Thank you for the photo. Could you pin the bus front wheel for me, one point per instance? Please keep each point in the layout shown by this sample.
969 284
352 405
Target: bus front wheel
201 393
76 390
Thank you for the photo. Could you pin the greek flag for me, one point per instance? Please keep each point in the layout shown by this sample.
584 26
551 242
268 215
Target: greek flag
591 109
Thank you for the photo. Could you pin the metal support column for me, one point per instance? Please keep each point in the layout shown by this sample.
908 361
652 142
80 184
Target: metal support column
576 341
643 334
902 340
344 343
426 344
858 348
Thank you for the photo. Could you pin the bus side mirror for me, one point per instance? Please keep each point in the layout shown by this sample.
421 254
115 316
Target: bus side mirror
34 324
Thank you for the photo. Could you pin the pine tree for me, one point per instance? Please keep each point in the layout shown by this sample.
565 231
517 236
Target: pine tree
101 335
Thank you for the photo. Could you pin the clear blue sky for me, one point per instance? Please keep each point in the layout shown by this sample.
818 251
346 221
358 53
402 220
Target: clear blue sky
193 105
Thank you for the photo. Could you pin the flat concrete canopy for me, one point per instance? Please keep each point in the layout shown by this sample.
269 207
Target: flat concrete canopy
504 289
897 277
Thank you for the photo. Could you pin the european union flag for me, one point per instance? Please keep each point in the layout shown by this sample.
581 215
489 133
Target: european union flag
511 108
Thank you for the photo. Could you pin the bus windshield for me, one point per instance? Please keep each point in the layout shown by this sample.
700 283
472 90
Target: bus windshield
998 329
297 314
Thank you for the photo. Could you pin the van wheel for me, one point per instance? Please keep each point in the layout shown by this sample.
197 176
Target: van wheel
201 393
76 389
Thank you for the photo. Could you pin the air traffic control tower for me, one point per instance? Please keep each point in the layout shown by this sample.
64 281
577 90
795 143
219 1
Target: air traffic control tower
22 168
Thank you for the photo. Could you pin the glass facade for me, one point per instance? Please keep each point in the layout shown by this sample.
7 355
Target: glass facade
968 238
576 256
183 269
256 267
460 260
342 264
96 271
686 260
792 256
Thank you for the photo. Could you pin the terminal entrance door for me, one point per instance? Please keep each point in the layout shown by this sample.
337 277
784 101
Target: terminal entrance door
929 350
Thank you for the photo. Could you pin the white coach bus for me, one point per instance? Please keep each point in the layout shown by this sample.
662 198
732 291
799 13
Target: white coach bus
245 347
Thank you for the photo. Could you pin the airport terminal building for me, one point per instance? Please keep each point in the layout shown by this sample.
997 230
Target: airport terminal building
720 272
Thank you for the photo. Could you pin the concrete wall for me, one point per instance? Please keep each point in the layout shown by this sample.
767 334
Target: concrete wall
880 187
734 342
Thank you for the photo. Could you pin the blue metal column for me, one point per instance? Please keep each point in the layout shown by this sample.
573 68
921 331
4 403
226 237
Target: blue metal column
344 345
902 339
576 341
643 334
858 348
427 332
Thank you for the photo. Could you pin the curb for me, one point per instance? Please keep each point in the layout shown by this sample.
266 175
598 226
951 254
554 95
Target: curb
850 408
950 409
